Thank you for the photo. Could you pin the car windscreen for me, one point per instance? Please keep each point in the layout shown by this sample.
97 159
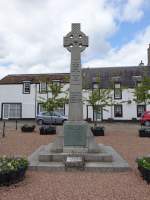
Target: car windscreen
57 114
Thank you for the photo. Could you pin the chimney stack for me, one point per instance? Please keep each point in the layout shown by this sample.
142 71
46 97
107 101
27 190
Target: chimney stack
148 54
141 63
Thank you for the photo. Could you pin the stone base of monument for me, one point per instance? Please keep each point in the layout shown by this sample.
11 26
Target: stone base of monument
107 160
75 138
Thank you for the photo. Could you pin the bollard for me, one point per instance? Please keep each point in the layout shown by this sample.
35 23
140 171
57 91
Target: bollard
16 124
3 130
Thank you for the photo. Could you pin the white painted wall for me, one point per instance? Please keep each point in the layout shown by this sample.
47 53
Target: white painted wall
13 93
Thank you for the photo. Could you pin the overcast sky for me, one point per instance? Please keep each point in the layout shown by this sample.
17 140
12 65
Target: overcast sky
31 33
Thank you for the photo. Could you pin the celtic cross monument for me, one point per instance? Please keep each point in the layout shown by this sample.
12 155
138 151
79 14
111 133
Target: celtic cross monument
75 145
77 134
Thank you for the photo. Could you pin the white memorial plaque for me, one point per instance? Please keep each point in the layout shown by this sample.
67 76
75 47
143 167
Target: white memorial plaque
74 159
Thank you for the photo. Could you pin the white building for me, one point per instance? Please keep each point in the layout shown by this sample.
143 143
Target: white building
20 94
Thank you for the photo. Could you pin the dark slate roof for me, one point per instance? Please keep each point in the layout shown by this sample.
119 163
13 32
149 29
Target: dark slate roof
125 75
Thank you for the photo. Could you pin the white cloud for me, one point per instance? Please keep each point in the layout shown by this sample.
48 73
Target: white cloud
133 10
31 32
130 54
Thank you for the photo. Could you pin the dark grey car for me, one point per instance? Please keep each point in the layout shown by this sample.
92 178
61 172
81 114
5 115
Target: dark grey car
50 118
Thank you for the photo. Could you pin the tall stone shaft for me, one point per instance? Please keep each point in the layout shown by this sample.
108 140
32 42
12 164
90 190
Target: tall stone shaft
75 42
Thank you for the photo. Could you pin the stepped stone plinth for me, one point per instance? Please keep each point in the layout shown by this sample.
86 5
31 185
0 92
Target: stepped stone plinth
107 159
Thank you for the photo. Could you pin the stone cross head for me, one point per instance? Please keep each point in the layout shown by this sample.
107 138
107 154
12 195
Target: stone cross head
76 39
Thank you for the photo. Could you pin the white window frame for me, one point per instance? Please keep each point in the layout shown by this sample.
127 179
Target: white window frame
117 91
115 110
26 85
140 110
95 86
43 87
117 85
138 83
13 111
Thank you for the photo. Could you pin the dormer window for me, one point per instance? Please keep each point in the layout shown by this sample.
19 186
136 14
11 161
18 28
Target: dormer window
26 87
117 91
43 87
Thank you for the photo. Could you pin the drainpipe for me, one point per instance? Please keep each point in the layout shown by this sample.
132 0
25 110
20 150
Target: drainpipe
35 99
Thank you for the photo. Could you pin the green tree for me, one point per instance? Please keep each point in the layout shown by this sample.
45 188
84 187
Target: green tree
56 99
99 99
142 91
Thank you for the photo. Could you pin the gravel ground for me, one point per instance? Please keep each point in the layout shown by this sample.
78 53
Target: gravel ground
79 185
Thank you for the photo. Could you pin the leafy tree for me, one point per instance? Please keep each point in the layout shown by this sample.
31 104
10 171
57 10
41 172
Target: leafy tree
142 91
99 99
57 98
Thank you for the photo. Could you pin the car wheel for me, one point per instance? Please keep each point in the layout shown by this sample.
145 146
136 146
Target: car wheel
147 123
40 121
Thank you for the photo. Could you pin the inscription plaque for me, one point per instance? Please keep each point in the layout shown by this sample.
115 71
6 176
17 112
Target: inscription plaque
75 135
75 97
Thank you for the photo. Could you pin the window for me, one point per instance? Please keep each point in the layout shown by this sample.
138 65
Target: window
47 113
98 113
43 87
117 85
26 87
40 108
138 84
117 91
118 111
140 110
61 110
95 86
11 111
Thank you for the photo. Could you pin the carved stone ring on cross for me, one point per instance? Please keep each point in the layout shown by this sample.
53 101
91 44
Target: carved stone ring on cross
76 39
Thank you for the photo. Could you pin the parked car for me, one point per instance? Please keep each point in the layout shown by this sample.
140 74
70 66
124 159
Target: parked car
50 118
145 118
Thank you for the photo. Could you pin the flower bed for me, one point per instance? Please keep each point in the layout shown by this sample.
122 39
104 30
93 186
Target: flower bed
12 170
144 168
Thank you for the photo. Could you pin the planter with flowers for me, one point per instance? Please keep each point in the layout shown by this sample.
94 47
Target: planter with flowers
12 170
144 168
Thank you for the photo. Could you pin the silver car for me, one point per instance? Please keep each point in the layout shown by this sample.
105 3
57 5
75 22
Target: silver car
50 118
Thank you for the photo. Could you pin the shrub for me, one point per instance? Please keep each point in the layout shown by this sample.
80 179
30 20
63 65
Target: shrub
144 162
8 164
